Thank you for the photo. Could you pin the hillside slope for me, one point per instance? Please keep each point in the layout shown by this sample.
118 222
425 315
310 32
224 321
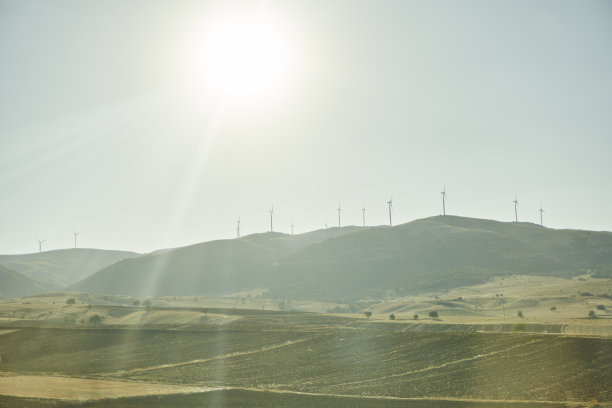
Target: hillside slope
63 267
429 254
14 284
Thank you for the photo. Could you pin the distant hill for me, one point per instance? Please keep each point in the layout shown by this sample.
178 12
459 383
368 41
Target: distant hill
353 262
63 267
14 284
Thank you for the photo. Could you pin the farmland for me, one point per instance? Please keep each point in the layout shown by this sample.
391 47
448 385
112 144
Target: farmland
305 359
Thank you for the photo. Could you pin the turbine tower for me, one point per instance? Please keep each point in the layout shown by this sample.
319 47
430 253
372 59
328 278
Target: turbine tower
271 216
363 215
443 201
390 204
339 211
541 210
238 228
291 227
515 210
40 242
75 237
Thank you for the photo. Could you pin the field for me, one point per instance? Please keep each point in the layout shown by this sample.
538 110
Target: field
236 357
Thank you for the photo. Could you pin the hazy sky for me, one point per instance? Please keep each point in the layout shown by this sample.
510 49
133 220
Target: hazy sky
109 124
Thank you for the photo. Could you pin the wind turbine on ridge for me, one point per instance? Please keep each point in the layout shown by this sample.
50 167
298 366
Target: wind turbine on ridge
516 203
238 228
541 210
390 204
75 237
40 242
443 201
291 226
339 211
271 216
363 215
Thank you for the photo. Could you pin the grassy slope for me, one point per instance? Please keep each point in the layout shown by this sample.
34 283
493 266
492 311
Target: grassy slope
326 354
15 284
64 266
430 254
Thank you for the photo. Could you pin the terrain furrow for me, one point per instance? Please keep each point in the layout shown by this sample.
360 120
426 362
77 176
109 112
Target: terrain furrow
437 367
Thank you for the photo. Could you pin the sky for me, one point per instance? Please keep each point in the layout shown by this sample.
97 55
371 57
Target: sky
118 121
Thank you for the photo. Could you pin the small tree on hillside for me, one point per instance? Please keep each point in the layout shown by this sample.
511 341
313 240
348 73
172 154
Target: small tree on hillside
520 314
136 302
592 314
392 316
147 305
415 316
433 314
95 319
368 314
70 301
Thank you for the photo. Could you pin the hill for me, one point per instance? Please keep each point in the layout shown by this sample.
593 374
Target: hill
435 253
63 267
15 284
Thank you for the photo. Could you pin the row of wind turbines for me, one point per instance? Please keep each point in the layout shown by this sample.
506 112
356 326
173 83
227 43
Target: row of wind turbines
390 206
42 241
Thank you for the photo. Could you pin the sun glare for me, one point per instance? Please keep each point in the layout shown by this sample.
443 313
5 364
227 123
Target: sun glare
244 58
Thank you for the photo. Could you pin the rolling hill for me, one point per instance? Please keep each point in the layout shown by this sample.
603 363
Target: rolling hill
14 284
429 254
60 268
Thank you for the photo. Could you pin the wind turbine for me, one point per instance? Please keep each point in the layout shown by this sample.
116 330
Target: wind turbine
541 212
363 215
75 237
238 228
291 227
40 244
271 216
339 211
515 210
443 201
390 204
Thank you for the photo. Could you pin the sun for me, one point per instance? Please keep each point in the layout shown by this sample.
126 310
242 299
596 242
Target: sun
244 58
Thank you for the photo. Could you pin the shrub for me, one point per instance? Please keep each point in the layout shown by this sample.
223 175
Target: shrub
520 314
70 301
392 316
147 305
136 302
433 314
518 327
592 314
415 316
368 314
95 319
553 308
601 307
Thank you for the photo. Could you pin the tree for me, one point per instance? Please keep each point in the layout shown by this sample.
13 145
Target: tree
553 308
95 319
592 314
368 314
147 305
520 314
415 316
392 316
70 301
601 307
136 302
433 314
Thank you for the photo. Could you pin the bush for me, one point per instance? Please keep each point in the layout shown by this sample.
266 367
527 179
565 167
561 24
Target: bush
518 327
95 319
392 316
553 308
601 307
592 314
368 314
136 302
147 305
520 314
415 316
70 301
433 314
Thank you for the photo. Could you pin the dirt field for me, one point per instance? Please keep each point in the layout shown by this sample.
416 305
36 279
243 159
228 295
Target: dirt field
81 389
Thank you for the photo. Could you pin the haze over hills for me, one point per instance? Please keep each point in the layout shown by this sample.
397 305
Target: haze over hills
434 253
15 284
60 268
